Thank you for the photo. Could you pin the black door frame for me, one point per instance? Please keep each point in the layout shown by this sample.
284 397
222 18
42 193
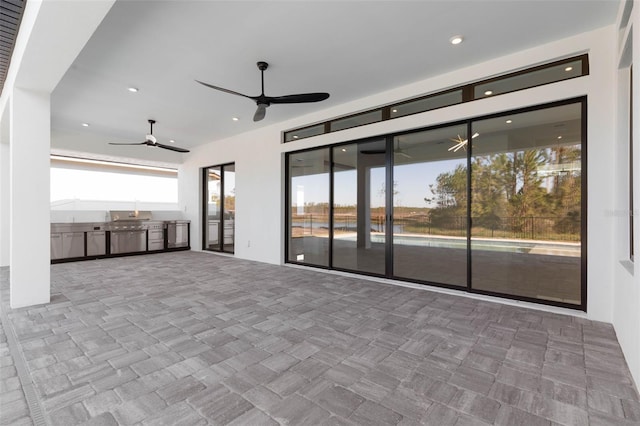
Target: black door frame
205 211
389 204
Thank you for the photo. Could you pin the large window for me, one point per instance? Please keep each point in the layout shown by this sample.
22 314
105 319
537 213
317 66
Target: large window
519 80
74 179
492 205
219 208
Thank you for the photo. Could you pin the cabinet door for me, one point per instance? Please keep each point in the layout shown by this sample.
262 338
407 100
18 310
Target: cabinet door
228 232
182 234
56 246
73 244
213 232
96 243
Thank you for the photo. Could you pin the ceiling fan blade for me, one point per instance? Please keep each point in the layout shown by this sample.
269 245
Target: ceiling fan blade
127 143
297 99
260 112
170 147
222 89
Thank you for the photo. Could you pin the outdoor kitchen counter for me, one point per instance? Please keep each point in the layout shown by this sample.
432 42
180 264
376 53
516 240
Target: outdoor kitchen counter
94 240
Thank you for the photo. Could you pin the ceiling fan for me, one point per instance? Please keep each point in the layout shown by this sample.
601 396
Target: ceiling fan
150 140
264 101
397 150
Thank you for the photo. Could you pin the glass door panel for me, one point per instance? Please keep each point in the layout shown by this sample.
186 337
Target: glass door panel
213 209
308 239
229 210
359 216
430 206
526 206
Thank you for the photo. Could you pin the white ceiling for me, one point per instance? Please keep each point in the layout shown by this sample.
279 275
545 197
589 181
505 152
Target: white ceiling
350 49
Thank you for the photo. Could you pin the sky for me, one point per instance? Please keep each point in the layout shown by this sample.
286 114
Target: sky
412 185
72 184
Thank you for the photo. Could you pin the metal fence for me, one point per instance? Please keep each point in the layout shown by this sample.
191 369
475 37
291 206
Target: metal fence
551 228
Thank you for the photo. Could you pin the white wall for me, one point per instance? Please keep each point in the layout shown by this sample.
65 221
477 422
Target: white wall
259 196
259 155
4 204
626 278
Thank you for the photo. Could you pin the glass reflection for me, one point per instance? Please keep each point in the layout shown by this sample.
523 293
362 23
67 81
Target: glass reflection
219 228
526 204
430 206
426 104
359 221
309 207
229 208
528 79
214 188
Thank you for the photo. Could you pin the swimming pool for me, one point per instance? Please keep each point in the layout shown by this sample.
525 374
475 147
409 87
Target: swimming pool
489 244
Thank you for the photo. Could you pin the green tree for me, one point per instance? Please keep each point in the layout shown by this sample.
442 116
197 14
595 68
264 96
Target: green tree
509 188
450 197
531 198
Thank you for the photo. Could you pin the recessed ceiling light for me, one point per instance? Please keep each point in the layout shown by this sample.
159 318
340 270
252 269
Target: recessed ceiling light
344 150
568 69
488 92
559 137
456 39
295 136
85 124
172 141
133 89
394 110
235 119
508 121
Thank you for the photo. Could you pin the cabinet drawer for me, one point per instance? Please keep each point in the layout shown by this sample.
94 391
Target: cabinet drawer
156 234
156 245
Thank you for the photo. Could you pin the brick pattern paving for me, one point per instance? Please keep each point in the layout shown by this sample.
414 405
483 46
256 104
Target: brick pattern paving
13 404
194 338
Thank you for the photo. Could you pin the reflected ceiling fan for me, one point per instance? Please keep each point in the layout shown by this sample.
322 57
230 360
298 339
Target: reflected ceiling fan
461 143
397 150
150 140
264 101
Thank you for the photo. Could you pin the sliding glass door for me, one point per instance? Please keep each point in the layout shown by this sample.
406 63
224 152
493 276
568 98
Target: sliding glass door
492 205
359 207
430 206
526 208
308 206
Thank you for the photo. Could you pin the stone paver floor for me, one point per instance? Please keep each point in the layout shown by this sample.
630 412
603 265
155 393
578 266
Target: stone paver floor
193 338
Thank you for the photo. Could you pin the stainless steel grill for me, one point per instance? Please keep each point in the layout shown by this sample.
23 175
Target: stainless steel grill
128 231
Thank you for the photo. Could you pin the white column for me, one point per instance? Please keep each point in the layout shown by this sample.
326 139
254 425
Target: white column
30 142
4 188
